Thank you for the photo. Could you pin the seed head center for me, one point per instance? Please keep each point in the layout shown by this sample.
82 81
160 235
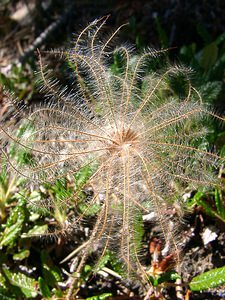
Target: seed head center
123 139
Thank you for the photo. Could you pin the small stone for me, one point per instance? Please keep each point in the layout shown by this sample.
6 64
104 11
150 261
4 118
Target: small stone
209 235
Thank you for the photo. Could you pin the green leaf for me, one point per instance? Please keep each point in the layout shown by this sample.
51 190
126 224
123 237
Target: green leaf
209 279
100 297
10 235
210 90
21 155
57 293
188 53
17 214
14 225
154 281
220 39
51 273
165 277
116 264
83 175
102 262
45 291
89 210
60 189
219 203
37 230
27 285
199 200
85 274
161 33
168 276
138 229
21 255
208 56
2 280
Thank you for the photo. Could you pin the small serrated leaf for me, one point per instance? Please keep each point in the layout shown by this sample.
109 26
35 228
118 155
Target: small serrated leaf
14 224
11 234
27 285
209 279
45 291
37 230
21 255
17 215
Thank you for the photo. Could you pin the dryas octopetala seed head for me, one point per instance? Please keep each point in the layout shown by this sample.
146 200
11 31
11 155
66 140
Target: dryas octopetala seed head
138 137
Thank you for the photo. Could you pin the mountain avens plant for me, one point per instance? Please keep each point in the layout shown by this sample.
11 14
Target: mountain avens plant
138 140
